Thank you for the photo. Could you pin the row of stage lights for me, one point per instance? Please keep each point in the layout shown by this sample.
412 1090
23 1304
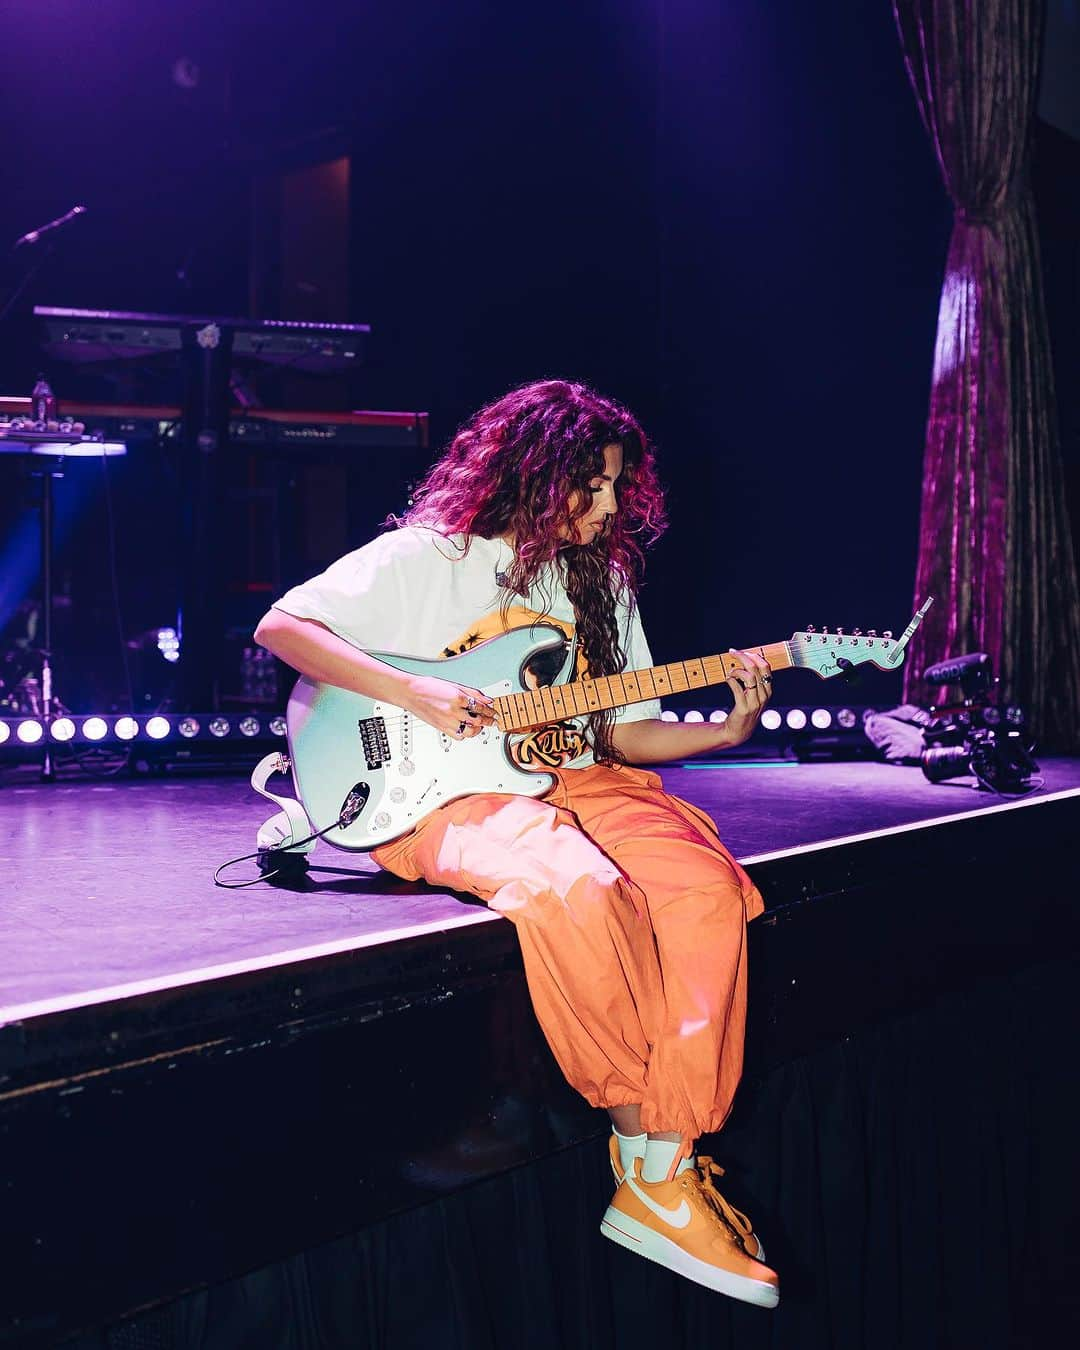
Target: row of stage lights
772 719
159 727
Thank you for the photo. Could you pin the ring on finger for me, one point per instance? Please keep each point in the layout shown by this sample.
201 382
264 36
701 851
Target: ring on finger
472 707
461 728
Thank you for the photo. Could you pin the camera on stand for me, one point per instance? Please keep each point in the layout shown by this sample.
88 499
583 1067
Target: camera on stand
976 738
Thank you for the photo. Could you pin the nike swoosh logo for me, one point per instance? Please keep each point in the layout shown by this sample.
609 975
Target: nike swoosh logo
677 1218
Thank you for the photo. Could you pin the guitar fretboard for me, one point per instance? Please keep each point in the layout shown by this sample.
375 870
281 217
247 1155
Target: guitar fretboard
555 702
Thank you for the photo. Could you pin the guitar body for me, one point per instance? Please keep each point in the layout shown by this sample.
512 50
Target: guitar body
391 768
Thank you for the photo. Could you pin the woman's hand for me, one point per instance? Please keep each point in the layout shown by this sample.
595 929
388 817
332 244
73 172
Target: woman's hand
454 709
751 683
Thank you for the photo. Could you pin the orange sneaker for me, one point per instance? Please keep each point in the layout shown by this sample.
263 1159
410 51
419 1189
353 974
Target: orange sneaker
708 1169
741 1224
683 1224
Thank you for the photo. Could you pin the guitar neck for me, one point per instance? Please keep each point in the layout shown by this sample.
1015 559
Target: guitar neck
555 702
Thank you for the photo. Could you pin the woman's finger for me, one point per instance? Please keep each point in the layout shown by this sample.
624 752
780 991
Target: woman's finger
741 688
477 706
753 672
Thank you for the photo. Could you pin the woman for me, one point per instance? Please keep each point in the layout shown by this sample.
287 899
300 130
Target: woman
630 913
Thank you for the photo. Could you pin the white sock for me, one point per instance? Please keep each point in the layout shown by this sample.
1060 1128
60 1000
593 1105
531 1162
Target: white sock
631 1146
659 1155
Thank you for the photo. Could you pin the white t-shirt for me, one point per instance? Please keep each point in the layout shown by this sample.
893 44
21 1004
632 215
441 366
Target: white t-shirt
414 592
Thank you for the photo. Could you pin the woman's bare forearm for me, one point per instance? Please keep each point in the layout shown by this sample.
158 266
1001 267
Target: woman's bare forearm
313 650
653 742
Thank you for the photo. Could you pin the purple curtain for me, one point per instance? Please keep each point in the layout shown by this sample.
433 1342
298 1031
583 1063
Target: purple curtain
995 548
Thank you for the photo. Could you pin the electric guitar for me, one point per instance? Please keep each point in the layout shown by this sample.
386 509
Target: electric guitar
367 771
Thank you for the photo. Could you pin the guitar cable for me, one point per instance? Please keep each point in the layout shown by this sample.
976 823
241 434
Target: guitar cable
339 824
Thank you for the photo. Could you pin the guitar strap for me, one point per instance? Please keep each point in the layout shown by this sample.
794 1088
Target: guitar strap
291 822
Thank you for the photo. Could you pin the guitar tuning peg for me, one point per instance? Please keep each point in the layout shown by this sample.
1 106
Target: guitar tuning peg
887 633
839 632
810 628
871 632
824 631
857 632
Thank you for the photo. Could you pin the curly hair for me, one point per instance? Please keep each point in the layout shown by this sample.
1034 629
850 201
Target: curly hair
522 466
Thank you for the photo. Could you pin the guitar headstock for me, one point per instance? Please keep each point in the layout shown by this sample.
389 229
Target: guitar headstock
833 653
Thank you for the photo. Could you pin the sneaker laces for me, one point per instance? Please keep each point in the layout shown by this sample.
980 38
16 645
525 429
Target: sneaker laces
734 1218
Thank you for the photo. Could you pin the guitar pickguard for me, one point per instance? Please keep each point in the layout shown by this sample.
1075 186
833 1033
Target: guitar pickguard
345 747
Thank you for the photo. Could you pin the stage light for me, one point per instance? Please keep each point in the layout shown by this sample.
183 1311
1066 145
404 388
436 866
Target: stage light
668 716
846 718
991 715
168 644
693 716
796 719
770 719
236 735
718 715
1014 715
821 718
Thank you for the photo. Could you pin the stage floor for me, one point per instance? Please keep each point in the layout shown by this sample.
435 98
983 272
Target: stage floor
111 891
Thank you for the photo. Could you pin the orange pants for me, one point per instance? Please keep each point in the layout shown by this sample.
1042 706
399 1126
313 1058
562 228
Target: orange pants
632 921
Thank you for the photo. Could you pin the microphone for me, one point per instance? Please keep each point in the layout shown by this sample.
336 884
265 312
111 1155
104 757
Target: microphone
954 671
57 224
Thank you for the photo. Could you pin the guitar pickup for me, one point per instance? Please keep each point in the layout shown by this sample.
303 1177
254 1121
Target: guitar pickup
374 741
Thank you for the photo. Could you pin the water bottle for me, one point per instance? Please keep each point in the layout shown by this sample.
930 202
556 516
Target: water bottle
42 402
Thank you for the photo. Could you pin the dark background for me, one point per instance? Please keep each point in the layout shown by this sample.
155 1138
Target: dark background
727 216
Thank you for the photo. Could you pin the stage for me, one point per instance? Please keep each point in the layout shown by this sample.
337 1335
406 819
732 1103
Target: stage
230 1058
114 895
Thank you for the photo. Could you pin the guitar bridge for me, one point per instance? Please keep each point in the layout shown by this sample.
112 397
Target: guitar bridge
374 741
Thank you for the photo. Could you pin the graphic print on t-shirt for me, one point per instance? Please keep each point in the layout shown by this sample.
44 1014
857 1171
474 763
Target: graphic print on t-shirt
558 744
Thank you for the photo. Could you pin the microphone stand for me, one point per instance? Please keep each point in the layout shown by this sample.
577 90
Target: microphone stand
47 471
29 273
39 252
